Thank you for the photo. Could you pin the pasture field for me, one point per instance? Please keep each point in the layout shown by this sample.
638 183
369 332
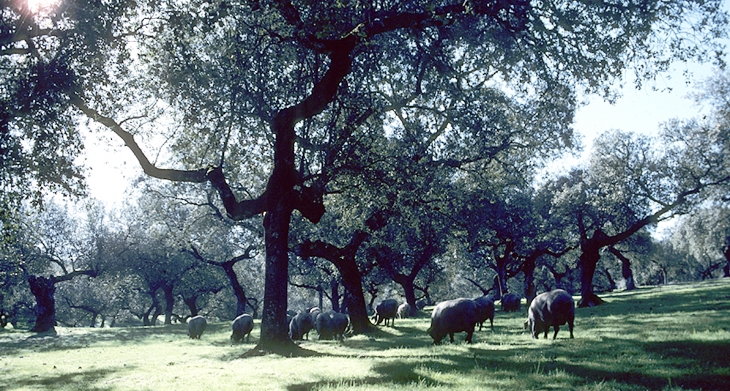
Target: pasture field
660 338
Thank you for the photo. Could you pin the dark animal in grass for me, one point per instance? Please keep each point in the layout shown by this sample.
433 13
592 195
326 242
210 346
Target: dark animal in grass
510 302
300 326
242 327
196 326
387 309
554 308
404 311
421 304
331 325
453 316
485 310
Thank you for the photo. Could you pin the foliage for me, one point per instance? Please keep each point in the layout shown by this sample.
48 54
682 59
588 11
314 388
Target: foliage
262 99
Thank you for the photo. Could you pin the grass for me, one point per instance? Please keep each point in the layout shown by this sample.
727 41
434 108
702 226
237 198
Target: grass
666 338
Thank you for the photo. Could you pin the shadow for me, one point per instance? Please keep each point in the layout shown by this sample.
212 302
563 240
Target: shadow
628 363
395 372
687 364
709 295
77 381
80 337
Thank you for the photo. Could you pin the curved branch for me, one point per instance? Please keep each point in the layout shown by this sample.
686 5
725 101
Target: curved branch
194 176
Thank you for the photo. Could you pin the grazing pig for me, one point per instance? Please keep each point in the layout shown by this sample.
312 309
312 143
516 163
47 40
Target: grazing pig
552 308
314 312
331 325
485 310
421 304
387 309
510 302
404 310
453 316
196 326
300 326
242 326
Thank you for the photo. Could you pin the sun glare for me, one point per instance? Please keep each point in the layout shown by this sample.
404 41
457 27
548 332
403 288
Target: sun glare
39 6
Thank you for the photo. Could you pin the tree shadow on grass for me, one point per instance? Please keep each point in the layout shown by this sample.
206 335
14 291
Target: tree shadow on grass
79 338
628 363
81 380
688 364
392 372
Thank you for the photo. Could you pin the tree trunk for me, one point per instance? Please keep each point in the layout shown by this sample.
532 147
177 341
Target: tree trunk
335 294
588 262
274 328
626 271
528 269
169 302
352 281
192 306
726 269
502 277
410 293
238 290
611 281
628 274
43 289
150 317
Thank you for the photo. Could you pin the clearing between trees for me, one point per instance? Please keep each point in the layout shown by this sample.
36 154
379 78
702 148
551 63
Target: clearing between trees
672 337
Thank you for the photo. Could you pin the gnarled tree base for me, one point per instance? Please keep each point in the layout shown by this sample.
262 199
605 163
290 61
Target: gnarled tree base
589 300
286 349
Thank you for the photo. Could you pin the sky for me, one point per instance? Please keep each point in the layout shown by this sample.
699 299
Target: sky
113 167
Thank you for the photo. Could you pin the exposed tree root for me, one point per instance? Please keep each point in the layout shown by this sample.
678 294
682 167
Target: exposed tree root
285 349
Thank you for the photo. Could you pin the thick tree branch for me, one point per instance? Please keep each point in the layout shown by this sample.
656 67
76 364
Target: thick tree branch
195 176
74 274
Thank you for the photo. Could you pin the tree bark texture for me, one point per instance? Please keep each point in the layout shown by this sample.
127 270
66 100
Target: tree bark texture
44 289
588 262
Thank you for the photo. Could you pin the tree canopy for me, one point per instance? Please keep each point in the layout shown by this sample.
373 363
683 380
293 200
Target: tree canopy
268 101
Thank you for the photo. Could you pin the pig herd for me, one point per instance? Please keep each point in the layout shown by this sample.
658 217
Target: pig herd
554 308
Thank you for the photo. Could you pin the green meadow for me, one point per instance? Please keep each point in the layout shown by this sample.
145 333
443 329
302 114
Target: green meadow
658 338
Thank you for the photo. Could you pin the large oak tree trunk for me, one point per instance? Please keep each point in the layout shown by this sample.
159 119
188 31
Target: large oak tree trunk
43 289
588 262
352 281
274 327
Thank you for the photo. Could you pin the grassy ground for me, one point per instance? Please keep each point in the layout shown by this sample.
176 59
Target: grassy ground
664 338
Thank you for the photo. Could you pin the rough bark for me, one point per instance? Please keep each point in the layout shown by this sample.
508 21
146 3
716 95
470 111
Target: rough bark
588 261
43 289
